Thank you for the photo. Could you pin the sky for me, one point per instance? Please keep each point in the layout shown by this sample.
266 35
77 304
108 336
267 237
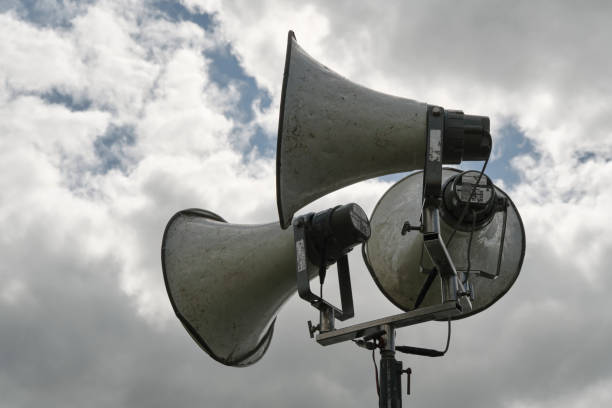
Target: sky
114 115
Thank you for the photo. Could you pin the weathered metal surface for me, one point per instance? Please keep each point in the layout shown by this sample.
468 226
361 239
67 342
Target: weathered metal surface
226 282
394 259
333 133
442 311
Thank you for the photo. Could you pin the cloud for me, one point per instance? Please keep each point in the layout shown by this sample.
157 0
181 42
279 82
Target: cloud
113 116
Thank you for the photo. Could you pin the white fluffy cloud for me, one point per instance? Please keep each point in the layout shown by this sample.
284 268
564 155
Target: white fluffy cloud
111 123
151 78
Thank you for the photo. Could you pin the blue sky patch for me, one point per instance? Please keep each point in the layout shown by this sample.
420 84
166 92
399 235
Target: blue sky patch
109 147
509 144
225 70
69 101
266 145
46 13
175 11
584 157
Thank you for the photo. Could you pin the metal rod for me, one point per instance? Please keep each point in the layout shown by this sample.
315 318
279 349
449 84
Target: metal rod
434 244
501 241
424 314
390 371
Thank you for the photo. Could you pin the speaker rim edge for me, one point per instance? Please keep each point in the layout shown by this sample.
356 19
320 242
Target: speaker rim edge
366 259
243 360
283 223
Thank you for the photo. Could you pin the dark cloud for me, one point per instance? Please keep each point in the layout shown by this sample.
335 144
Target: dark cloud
495 44
76 338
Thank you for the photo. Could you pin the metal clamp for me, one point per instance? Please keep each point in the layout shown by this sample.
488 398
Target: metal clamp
343 226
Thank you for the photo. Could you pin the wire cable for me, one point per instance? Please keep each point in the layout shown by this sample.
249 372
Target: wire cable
376 373
448 336
419 351
467 205
425 288
469 246
430 278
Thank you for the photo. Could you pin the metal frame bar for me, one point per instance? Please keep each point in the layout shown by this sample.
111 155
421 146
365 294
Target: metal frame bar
424 314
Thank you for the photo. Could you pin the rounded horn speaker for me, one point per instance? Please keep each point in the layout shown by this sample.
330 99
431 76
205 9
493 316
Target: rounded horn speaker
333 133
226 282
395 261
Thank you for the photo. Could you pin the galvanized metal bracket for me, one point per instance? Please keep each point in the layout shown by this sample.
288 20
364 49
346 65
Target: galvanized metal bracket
423 314
432 169
305 268
433 244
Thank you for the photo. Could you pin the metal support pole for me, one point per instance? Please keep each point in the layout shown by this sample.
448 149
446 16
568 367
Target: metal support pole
390 372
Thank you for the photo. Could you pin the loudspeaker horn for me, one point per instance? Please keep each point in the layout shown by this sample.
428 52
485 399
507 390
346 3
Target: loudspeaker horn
489 262
333 132
226 282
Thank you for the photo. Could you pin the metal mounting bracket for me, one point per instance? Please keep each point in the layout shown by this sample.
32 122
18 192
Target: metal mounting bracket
305 268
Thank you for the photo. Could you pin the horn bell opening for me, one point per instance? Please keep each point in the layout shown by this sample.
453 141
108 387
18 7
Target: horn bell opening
203 286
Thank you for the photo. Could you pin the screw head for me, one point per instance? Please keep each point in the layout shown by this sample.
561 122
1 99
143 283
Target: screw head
436 111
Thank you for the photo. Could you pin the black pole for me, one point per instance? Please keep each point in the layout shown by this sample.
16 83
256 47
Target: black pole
390 372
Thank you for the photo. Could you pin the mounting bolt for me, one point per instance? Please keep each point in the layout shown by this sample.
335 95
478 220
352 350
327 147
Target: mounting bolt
407 227
467 293
312 329
436 111
408 371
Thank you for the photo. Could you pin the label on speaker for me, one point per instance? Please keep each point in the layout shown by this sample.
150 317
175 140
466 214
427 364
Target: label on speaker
435 145
300 251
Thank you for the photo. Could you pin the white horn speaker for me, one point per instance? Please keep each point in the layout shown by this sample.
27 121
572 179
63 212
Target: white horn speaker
226 282
333 132
488 263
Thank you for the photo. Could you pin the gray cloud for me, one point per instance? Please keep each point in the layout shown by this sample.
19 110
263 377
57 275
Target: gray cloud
84 316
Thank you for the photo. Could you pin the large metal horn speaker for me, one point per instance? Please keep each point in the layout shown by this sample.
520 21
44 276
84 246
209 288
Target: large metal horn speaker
399 264
333 132
226 282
